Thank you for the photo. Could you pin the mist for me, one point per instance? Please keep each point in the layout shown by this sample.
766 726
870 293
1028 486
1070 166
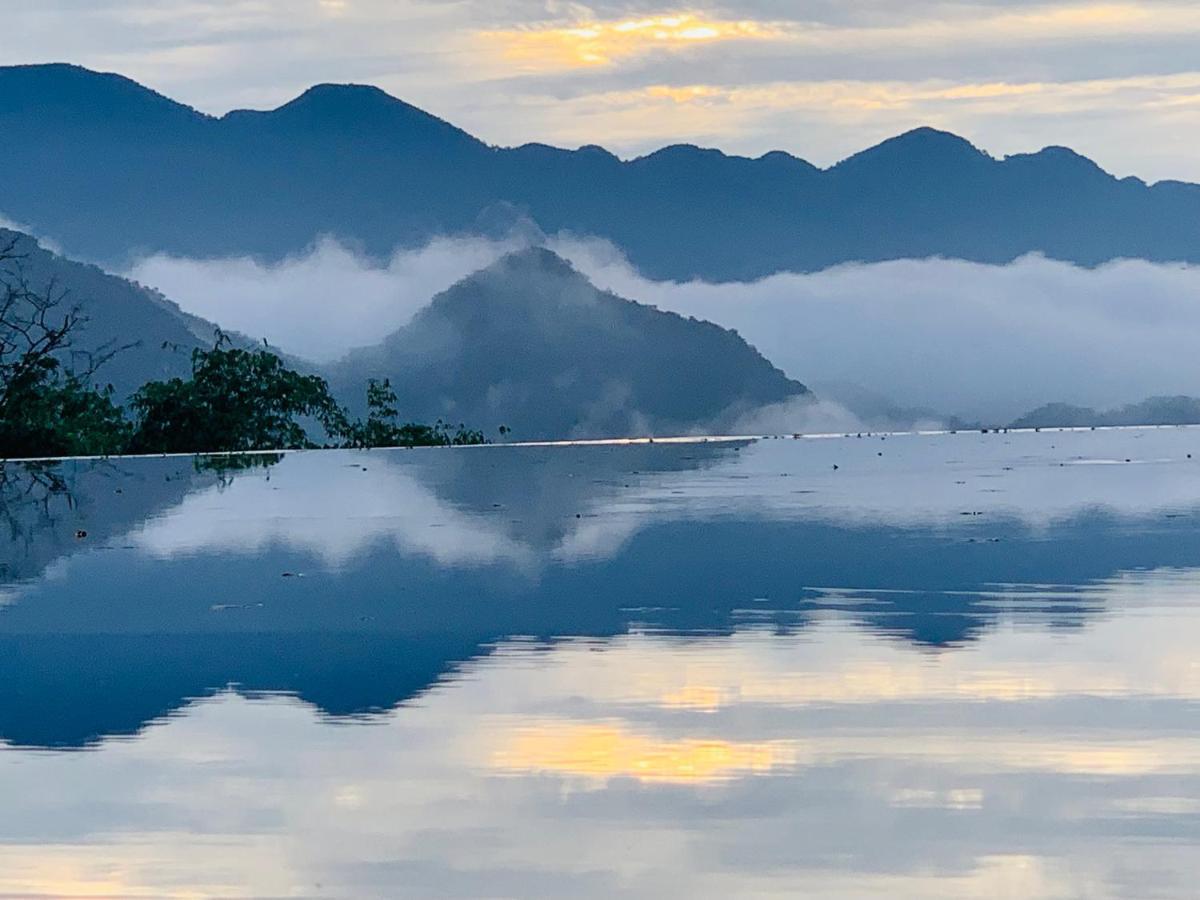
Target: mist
982 342
321 304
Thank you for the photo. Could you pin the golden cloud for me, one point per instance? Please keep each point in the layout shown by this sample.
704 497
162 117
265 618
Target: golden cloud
602 43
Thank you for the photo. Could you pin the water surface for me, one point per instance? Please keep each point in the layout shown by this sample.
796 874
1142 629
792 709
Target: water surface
952 666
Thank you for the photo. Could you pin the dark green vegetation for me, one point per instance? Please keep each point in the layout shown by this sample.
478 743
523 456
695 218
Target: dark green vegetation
233 398
1154 411
47 400
239 400
106 165
532 343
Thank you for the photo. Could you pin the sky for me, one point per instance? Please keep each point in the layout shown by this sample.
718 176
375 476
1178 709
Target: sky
1118 81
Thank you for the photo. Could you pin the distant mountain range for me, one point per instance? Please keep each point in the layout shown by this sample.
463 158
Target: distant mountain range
532 344
1154 411
113 170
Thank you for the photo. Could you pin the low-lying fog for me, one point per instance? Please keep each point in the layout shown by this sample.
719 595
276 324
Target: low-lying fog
983 342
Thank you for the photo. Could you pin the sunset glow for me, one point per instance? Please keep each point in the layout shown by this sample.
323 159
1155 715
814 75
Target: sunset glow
604 43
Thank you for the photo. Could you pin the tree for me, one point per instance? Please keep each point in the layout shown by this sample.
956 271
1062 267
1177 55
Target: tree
46 407
235 400
383 428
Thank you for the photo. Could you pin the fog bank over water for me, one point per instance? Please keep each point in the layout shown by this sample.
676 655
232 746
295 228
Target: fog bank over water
985 342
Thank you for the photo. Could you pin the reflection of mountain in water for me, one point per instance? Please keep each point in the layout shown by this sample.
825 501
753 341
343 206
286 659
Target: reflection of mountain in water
51 511
357 608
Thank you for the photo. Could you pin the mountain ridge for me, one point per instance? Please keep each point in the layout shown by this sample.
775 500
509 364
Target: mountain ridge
1178 409
321 92
114 171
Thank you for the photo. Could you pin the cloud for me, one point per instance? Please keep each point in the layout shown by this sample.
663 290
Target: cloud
251 515
983 342
323 303
595 43
974 340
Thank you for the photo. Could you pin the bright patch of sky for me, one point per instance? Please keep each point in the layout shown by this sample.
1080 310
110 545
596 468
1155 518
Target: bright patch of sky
1118 81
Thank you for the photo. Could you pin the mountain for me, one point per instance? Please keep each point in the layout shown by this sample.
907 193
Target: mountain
1154 411
113 170
158 336
531 344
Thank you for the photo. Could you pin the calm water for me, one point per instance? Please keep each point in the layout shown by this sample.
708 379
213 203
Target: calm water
955 666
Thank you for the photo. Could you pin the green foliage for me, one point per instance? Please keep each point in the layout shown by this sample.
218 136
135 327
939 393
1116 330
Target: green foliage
236 400
45 409
46 412
382 427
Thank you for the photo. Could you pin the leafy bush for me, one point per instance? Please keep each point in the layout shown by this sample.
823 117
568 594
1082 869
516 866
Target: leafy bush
236 400
46 412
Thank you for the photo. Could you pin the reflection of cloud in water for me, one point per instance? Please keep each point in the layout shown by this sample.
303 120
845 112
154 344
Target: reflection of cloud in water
471 507
368 499
1151 630
601 751
531 506
1032 764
